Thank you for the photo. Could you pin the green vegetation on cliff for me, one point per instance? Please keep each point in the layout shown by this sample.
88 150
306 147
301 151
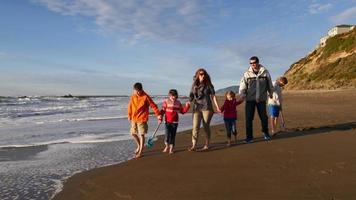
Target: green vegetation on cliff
330 67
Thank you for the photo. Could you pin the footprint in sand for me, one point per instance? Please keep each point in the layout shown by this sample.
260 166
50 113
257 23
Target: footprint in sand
341 165
326 171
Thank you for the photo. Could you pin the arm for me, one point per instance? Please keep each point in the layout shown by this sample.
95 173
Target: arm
270 85
238 101
185 109
243 88
191 94
215 103
164 107
129 110
222 109
213 97
154 107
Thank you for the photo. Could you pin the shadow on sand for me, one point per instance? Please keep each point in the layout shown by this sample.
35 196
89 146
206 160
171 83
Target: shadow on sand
287 133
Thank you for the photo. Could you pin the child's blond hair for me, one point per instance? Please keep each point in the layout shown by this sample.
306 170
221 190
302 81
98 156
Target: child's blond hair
283 79
231 93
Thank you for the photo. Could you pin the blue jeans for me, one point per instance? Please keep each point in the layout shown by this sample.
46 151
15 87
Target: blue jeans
230 126
171 130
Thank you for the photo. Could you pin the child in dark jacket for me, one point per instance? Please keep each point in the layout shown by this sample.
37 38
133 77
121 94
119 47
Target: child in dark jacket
230 115
170 108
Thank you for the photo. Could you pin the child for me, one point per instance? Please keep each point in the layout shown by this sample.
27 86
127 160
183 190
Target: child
138 113
275 104
230 116
170 108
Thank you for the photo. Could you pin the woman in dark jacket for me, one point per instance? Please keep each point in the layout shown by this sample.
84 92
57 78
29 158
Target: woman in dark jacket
202 96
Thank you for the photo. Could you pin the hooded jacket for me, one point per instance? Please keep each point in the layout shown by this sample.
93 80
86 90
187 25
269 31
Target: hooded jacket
171 109
276 100
254 87
138 108
229 109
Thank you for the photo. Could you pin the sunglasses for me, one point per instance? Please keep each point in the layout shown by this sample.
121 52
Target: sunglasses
201 74
252 63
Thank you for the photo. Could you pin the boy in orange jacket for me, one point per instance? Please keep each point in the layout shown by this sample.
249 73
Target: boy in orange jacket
138 113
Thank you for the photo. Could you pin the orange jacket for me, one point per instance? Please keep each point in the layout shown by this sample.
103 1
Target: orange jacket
138 109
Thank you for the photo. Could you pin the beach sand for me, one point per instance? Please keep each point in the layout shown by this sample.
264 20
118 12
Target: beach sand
314 158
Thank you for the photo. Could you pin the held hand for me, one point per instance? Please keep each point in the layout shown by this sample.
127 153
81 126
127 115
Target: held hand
187 104
159 118
218 110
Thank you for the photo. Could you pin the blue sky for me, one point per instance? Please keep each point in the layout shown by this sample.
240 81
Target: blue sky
88 47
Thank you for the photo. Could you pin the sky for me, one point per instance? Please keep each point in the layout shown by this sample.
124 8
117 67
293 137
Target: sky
102 47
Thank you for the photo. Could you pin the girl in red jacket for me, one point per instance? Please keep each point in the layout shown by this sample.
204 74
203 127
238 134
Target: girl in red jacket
230 116
170 108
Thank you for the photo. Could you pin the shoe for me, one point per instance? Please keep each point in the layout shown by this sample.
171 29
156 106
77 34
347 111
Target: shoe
267 137
248 141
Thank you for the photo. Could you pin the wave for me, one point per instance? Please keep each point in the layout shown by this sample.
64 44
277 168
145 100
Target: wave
83 119
87 139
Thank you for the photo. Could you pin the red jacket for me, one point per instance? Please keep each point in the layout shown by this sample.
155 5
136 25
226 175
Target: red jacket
171 109
229 109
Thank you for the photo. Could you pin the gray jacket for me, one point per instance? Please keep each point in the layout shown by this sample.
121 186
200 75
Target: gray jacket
254 87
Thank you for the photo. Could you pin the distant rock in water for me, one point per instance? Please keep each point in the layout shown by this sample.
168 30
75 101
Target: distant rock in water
331 66
234 88
68 96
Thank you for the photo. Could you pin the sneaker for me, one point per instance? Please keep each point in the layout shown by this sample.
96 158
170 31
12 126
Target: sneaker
248 141
267 137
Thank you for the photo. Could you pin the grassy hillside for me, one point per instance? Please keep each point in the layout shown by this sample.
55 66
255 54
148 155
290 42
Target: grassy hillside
330 67
234 88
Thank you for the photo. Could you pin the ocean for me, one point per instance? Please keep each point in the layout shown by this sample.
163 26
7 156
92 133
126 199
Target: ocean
44 140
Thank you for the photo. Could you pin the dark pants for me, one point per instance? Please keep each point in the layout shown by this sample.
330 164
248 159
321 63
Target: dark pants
171 130
230 126
250 113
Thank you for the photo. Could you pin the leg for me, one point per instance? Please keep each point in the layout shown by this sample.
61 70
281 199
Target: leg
273 127
271 119
171 149
137 140
142 129
261 109
228 129
134 132
275 123
174 133
207 115
142 143
166 138
197 115
174 127
234 129
249 115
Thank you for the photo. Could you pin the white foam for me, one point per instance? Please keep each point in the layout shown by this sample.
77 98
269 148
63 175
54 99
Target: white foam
58 185
85 139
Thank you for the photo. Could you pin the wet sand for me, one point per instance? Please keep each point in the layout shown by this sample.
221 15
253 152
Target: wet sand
314 158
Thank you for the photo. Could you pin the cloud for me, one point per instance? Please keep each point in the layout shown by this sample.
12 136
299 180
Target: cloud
139 20
276 55
347 16
317 8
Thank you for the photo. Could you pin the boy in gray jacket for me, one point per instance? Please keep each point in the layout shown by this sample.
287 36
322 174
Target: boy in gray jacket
254 86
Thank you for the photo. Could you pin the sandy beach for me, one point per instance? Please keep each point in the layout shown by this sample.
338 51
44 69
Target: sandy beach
314 158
